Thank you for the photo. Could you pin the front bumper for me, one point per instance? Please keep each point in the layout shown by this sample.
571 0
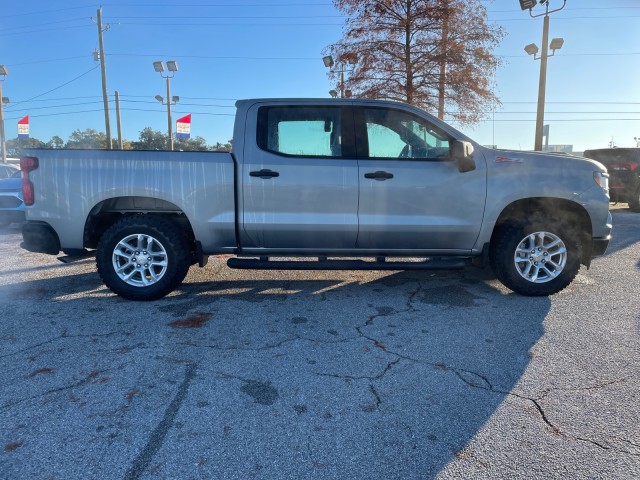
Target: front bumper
39 237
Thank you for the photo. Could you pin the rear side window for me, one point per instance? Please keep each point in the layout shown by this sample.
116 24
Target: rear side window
301 131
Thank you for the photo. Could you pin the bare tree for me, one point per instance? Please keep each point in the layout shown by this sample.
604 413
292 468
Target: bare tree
429 53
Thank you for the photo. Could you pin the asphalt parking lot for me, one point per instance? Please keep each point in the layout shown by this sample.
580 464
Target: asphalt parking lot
320 375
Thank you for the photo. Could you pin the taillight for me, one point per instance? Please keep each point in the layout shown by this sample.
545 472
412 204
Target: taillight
28 164
602 179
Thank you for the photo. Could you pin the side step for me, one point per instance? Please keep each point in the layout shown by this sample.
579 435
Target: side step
323 264
76 254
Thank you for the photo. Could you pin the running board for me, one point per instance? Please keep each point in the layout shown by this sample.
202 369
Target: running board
323 264
76 255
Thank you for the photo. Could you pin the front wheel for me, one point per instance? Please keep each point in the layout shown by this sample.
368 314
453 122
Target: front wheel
142 257
535 259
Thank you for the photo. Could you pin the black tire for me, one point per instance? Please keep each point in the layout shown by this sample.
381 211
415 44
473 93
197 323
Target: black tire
534 274
143 238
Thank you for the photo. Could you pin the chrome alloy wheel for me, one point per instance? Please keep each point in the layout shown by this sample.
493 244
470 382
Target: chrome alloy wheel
540 257
139 260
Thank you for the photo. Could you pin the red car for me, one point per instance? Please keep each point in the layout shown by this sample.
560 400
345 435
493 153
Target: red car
623 165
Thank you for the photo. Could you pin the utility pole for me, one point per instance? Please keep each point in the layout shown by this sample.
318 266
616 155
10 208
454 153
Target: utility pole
103 69
118 120
3 143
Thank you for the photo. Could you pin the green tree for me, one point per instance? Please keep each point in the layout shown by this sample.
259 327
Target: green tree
191 144
222 147
55 142
422 52
15 146
151 139
88 138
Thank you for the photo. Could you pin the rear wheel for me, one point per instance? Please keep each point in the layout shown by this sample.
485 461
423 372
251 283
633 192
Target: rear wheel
536 259
143 257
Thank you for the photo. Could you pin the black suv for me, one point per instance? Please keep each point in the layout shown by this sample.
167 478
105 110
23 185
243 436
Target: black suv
623 165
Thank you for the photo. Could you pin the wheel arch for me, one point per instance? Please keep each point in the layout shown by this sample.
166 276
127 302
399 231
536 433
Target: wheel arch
560 210
108 211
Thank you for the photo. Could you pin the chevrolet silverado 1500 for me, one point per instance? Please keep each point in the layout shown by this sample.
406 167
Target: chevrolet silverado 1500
327 179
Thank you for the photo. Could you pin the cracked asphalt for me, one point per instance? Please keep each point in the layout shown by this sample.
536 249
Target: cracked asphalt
320 375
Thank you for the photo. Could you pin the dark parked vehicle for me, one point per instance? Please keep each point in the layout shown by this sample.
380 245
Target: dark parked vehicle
11 204
623 165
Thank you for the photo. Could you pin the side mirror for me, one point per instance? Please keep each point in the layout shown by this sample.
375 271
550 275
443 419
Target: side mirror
462 154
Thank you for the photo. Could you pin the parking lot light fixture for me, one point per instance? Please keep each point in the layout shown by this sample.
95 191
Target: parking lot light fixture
329 63
158 66
172 66
531 49
556 44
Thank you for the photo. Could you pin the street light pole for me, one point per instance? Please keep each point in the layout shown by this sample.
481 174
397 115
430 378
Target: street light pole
532 49
329 63
169 121
542 84
172 66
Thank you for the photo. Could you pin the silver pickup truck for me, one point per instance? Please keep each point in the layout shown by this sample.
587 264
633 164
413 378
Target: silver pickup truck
311 184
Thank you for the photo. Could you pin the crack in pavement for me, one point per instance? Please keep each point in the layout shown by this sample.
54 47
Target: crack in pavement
536 402
90 377
478 380
157 437
381 375
63 335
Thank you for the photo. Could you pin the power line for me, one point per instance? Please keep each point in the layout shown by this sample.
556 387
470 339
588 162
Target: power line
38 12
63 105
13 105
31 25
270 24
47 60
45 30
124 109
208 57
221 17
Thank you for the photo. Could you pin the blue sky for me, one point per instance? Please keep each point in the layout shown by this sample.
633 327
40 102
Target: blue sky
233 49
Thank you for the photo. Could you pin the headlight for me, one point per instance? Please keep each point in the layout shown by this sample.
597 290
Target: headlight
602 179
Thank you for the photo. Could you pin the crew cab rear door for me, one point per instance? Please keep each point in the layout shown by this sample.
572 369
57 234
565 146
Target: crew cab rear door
412 195
299 178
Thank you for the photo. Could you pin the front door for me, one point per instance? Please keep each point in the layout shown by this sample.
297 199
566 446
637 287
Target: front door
412 195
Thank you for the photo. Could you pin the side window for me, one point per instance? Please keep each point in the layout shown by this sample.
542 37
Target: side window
301 131
398 134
